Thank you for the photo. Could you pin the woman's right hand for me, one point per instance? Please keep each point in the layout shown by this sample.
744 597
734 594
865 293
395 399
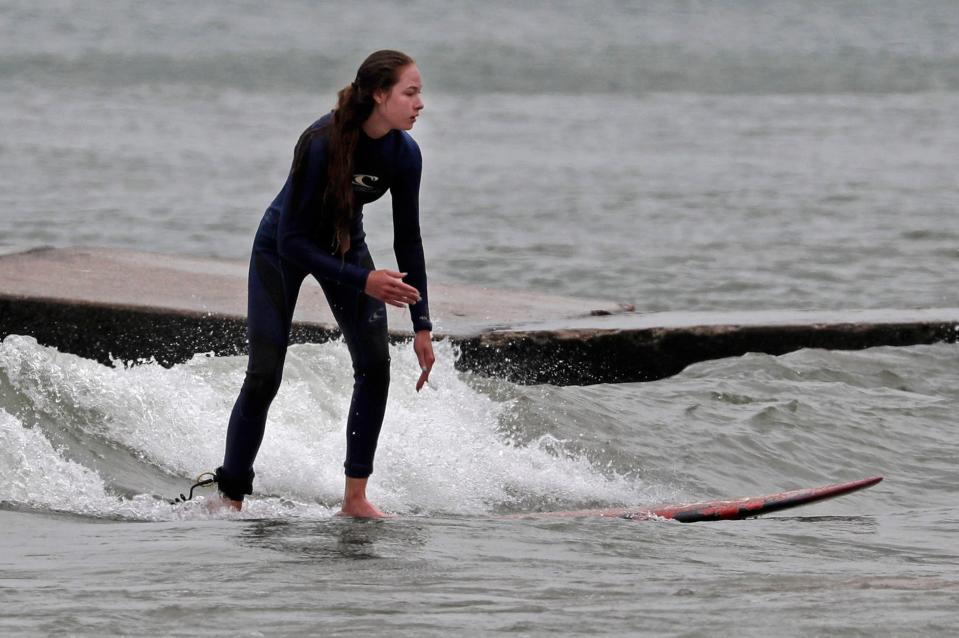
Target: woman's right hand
388 286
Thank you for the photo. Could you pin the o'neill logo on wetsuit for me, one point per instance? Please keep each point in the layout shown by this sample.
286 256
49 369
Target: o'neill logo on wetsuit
365 182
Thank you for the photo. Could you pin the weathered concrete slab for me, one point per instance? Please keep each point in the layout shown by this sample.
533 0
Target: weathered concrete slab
110 304
637 347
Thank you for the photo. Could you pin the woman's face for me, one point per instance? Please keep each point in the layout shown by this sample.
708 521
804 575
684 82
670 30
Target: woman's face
400 106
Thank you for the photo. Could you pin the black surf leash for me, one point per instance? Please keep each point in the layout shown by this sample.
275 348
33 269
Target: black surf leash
200 482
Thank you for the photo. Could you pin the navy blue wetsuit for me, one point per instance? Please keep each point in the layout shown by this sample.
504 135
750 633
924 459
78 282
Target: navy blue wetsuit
296 239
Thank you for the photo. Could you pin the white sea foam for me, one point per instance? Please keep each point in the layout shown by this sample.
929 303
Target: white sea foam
441 450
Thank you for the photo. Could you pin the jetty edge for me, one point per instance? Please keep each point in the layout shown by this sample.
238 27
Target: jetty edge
115 305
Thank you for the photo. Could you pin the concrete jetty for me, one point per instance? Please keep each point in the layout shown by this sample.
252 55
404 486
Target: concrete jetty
119 305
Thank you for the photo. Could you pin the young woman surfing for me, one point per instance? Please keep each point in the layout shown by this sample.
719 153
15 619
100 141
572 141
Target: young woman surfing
344 160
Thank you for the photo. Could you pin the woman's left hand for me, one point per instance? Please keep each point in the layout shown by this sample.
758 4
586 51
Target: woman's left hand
423 347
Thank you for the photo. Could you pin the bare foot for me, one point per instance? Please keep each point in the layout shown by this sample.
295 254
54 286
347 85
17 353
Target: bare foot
356 504
363 509
220 503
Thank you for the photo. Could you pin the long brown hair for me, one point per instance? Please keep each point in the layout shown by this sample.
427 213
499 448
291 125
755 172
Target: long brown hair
379 71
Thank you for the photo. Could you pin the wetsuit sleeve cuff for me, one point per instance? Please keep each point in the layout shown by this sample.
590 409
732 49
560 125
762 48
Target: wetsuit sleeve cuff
422 323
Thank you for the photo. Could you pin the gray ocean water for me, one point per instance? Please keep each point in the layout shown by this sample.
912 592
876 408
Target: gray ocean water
676 155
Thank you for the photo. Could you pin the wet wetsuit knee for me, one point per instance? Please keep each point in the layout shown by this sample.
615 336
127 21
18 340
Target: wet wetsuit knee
263 377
